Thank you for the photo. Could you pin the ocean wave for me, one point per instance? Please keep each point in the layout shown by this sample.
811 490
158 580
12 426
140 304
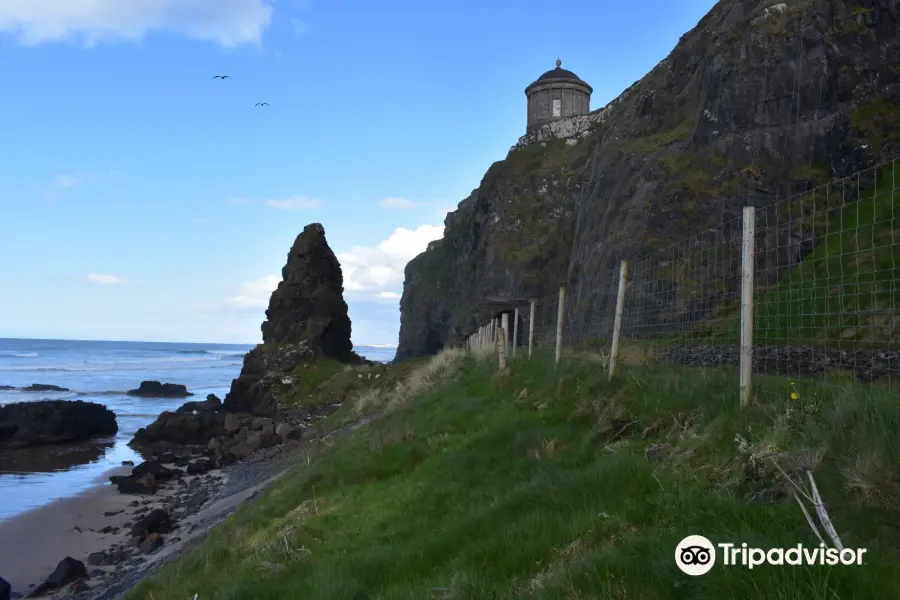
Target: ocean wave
214 352
148 365
14 354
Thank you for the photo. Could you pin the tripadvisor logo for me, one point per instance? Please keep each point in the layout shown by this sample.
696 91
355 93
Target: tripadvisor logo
696 555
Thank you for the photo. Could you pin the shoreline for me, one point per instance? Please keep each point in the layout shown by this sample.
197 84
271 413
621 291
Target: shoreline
97 520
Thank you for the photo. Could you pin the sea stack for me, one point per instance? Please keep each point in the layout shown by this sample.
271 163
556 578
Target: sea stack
307 318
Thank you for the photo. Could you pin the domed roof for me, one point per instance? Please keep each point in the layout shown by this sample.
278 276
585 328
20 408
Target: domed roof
558 73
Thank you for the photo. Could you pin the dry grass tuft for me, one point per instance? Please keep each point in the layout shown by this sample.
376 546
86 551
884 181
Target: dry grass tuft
441 368
871 482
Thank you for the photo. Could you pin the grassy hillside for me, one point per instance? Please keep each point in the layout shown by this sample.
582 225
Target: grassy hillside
553 483
847 291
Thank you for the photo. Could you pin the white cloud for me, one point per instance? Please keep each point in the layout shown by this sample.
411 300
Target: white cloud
64 182
397 203
103 279
226 22
255 294
298 203
240 201
388 296
378 270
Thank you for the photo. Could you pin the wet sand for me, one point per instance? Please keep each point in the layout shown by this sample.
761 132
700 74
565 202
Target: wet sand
33 543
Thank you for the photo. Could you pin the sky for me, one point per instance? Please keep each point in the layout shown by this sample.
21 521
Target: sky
141 199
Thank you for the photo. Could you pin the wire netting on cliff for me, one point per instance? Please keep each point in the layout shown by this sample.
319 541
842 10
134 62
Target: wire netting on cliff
825 302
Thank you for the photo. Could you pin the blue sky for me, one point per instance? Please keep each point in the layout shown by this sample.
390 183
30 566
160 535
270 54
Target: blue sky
142 200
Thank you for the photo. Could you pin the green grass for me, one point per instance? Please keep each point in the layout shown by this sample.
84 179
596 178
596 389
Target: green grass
481 486
847 291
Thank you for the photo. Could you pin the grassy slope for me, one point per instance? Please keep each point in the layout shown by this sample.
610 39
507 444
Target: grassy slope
844 294
474 486
846 291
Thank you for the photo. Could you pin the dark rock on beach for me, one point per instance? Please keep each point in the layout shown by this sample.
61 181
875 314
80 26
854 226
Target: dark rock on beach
172 428
156 389
5 589
67 571
156 521
54 422
140 485
154 467
199 467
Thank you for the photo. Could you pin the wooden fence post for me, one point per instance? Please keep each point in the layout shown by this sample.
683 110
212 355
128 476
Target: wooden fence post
748 264
531 327
501 347
504 327
560 315
617 326
515 338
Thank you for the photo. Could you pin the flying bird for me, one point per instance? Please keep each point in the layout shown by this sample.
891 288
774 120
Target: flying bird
262 104
221 76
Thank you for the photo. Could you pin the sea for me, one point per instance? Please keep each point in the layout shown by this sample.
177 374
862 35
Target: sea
102 371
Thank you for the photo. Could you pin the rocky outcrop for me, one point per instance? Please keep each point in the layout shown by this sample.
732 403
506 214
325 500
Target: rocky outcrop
54 422
307 319
212 402
178 429
244 434
44 387
155 389
759 101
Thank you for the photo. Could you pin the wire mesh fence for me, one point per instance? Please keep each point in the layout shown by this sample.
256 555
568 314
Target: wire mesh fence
822 295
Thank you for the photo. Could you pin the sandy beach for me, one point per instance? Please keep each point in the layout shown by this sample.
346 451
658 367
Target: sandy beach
99 520
31 544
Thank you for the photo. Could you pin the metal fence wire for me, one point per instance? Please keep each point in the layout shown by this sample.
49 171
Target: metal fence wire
825 272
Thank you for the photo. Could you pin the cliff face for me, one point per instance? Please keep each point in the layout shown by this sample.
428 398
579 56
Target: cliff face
761 100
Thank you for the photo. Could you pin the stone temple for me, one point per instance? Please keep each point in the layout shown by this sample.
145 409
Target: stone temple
557 94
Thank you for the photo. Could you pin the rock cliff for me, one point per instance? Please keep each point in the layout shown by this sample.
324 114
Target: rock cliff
760 101
306 321
307 318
